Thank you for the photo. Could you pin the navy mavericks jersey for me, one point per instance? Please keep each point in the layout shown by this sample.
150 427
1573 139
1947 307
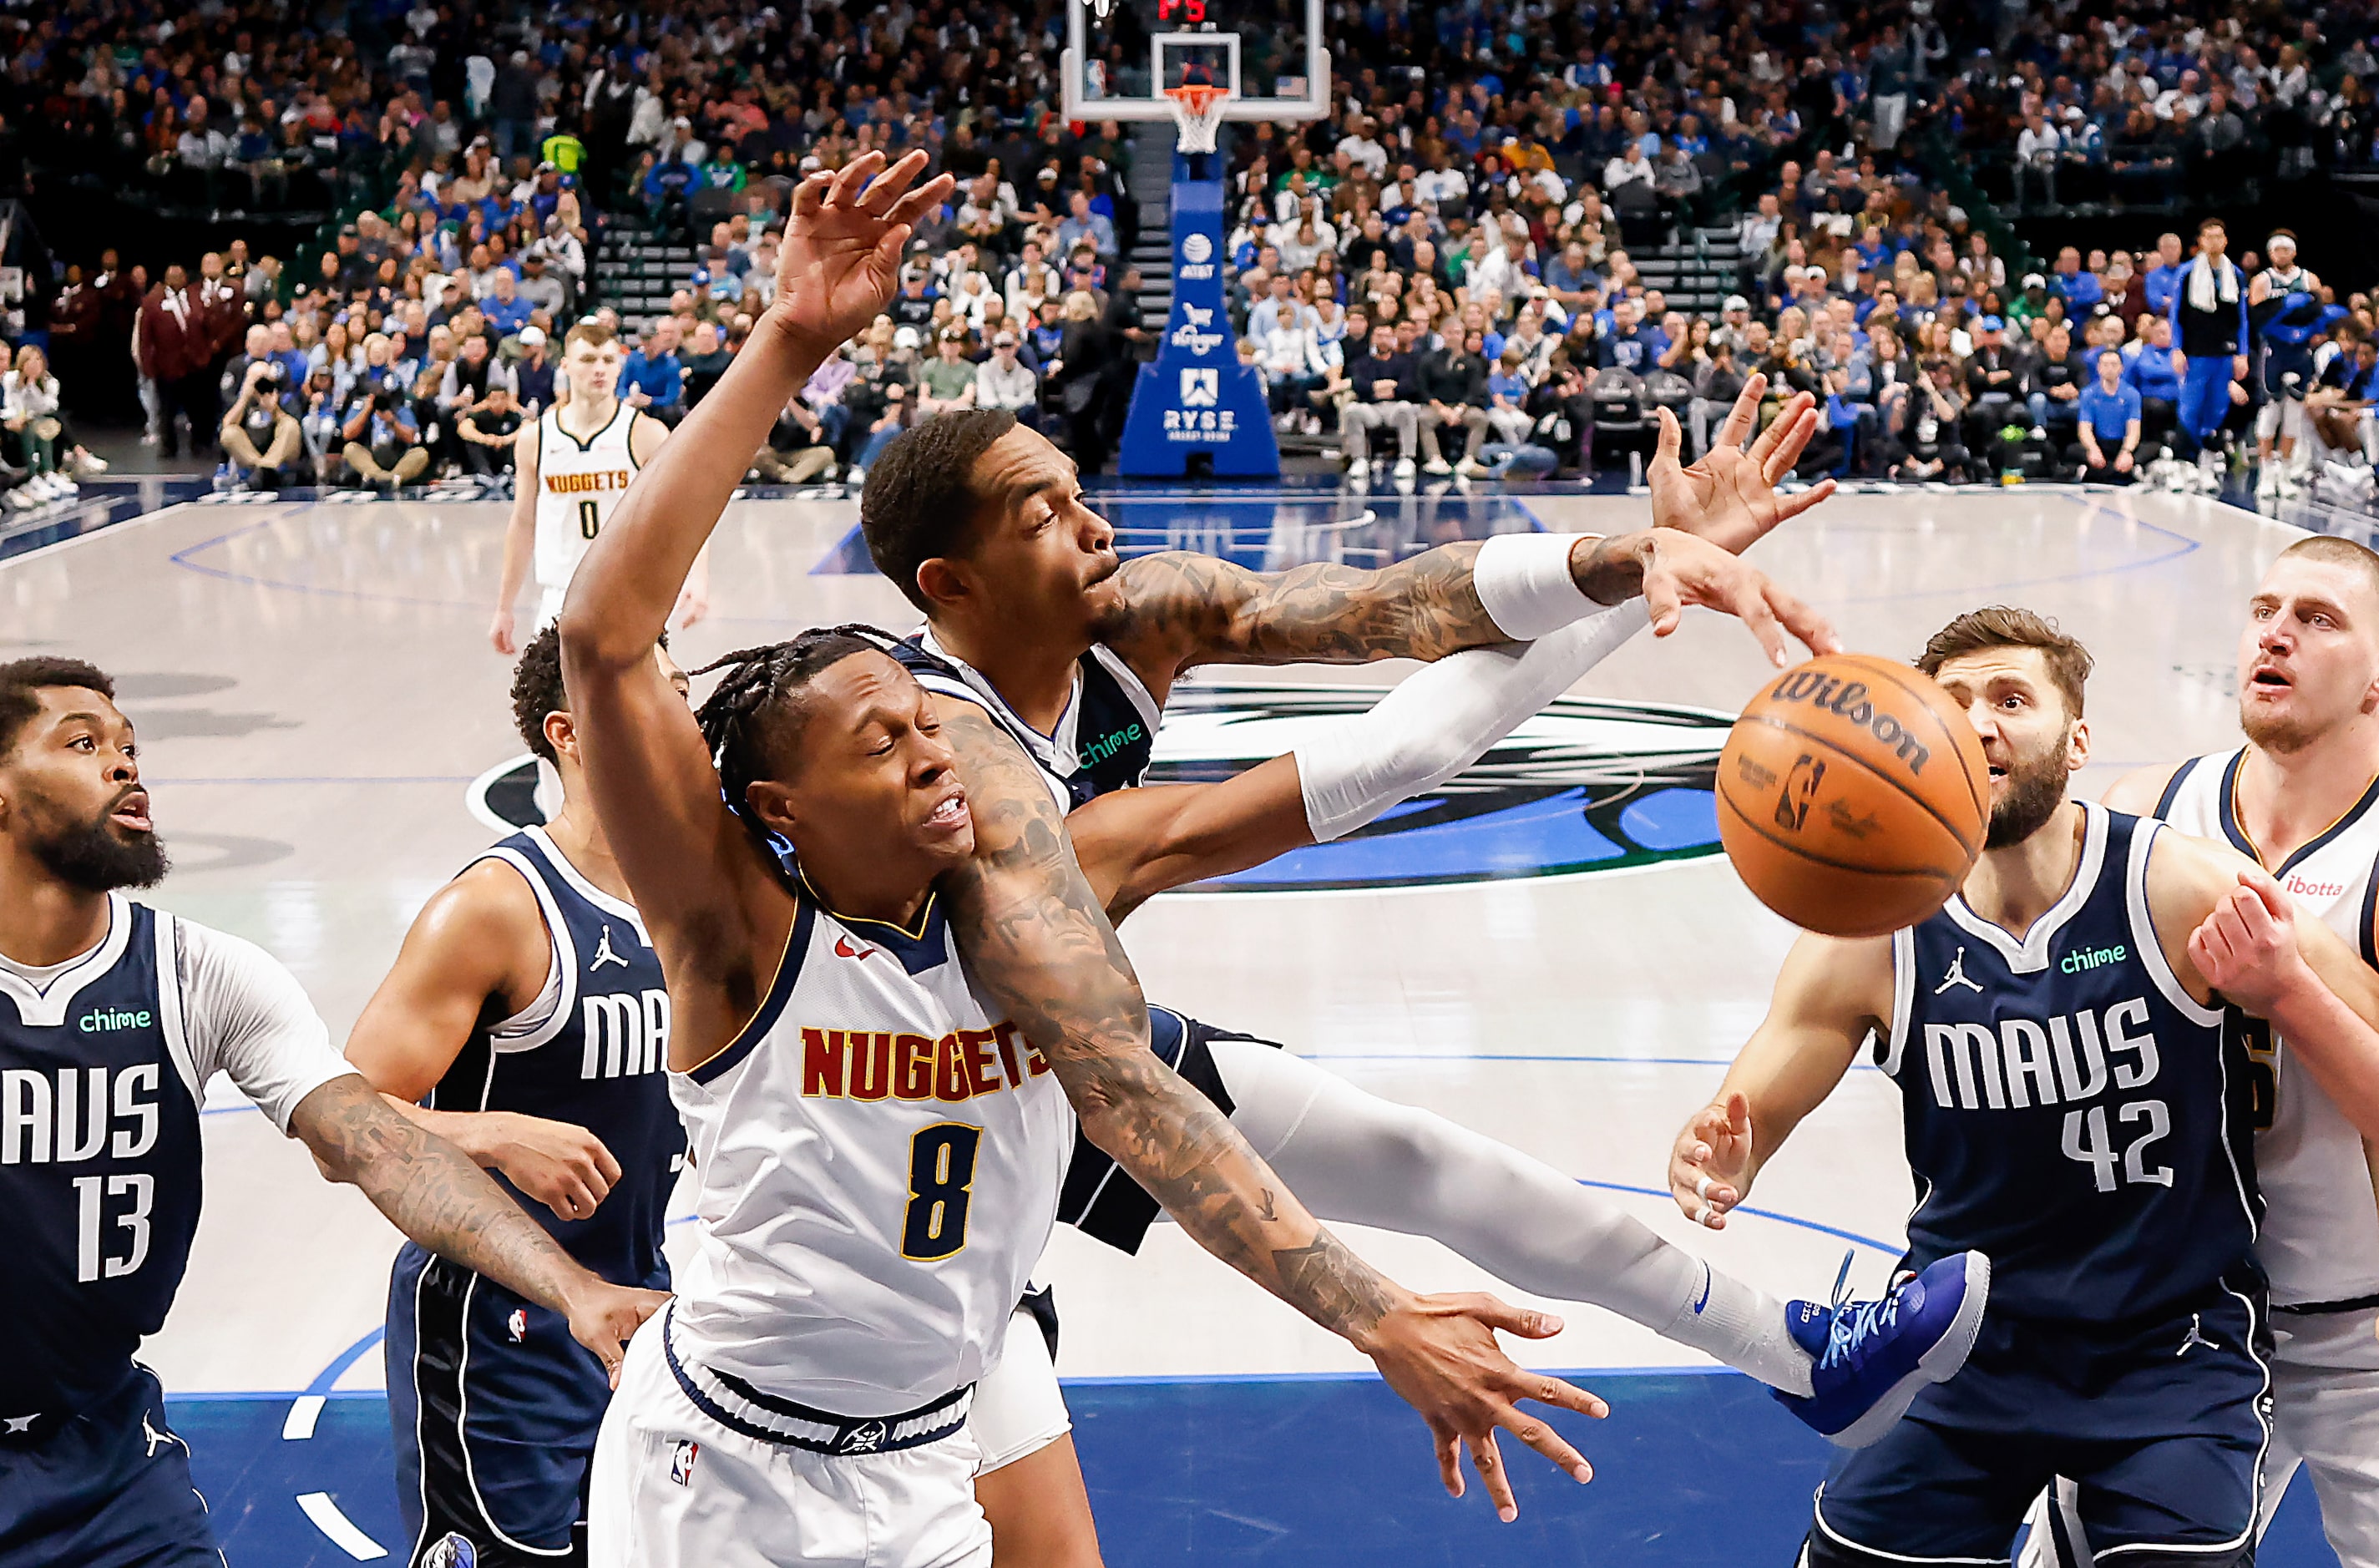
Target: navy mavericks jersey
2069 1110
1101 742
99 1167
592 1049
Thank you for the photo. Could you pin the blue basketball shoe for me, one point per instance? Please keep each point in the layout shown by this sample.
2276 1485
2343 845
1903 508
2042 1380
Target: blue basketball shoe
1873 1357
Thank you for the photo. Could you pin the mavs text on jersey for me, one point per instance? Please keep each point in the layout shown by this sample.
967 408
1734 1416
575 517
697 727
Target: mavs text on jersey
494 1407
2071 1110
104 1064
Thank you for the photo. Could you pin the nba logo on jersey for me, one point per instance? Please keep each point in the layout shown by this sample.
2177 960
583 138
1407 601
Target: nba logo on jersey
517 1326
681 1461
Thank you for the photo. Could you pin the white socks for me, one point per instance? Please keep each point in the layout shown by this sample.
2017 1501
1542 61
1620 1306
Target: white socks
1357 1159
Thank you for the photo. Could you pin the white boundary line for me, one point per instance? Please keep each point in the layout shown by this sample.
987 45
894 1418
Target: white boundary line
341 1529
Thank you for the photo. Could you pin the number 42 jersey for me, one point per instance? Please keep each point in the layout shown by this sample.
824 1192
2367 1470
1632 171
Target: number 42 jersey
877 1160
2069 1110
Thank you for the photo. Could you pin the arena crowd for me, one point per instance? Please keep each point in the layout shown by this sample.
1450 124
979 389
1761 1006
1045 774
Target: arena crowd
1441 276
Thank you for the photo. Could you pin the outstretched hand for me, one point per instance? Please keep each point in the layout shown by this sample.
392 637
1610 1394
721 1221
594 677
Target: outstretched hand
1728 497
1712 1157
1439 1354
841 253
1680 570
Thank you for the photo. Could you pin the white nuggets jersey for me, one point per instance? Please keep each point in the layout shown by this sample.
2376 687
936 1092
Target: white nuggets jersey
578 483
2320 1241
877 1161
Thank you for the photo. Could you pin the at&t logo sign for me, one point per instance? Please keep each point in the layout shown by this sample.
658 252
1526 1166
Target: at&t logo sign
1197 258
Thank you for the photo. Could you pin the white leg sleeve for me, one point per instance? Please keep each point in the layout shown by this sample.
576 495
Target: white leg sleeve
1357 1159
1443 717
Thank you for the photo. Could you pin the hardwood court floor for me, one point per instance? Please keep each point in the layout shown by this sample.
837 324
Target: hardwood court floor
318 702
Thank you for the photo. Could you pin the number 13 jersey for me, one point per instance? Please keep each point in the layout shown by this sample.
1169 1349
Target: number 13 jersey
877 1161
2069 1110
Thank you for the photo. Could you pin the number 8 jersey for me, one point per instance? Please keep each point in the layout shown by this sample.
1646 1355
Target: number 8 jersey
877 1161
2069 1110
578 483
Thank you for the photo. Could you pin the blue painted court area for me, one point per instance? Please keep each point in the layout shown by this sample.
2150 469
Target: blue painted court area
1691 1471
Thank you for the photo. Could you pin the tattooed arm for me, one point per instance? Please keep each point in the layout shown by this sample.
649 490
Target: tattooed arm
1180 609
432 1192
1037 942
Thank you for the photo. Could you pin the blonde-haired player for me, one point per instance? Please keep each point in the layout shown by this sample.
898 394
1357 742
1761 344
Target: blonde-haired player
2302 797
574 463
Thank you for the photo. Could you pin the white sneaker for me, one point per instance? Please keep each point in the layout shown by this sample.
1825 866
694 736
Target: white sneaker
2267 482
17 500
91 468
856 478
1405 468
1435 465
1469 468
1359 469
45 487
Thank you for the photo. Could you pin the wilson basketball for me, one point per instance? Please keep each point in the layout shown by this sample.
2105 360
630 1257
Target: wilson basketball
1852 796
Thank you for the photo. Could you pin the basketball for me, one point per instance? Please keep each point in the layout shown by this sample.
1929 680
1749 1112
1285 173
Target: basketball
1852 796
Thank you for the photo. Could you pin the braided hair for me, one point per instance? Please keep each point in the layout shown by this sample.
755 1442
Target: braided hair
736 718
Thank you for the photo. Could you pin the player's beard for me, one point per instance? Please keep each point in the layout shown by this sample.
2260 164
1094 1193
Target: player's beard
2035 788
2272 732
97 857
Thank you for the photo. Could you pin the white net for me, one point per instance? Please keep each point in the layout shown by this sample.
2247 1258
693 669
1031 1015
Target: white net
1197 115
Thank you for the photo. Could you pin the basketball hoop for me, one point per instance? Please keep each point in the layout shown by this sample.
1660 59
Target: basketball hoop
1198 112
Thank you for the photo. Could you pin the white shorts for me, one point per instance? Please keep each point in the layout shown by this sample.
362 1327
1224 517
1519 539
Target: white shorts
671 1488
2283 417
2325 1418
549 608
1019 1409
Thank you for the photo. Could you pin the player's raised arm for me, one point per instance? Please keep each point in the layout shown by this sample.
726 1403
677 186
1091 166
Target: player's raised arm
1034 937
1180 611
835 271
1830 994
695 870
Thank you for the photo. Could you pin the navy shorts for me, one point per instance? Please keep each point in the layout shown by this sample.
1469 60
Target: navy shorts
108 1489
494 1408
2161 1424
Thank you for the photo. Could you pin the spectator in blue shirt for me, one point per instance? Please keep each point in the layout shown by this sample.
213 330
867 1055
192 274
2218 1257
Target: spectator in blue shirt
1080 224
506 311
2163 279
2148 367
2110 422
2080 290
653 372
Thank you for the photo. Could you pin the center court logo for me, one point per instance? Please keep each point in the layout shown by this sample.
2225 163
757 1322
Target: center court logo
1586 785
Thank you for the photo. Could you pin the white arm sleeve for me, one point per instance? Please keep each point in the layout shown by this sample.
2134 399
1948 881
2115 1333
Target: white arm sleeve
246 1015
1443 717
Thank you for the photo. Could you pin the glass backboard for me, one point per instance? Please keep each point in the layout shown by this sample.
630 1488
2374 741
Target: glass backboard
1121 57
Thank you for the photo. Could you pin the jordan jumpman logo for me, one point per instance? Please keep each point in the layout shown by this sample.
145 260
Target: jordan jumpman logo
604 955
1957 976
